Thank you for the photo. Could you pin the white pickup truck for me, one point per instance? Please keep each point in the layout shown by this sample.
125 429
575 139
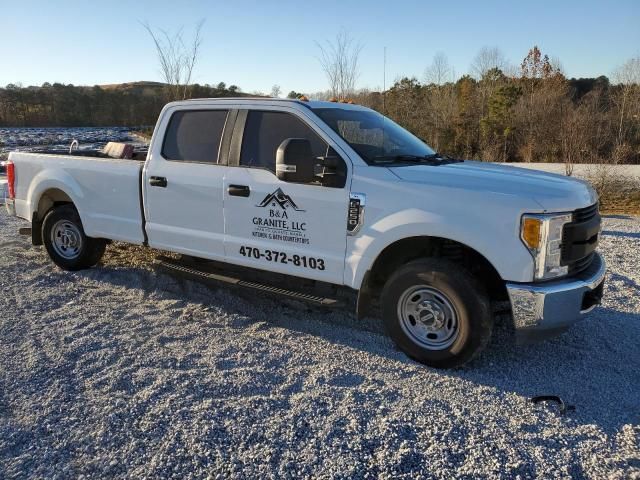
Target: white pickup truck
331 197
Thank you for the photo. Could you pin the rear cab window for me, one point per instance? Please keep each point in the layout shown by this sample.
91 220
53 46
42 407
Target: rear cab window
194 136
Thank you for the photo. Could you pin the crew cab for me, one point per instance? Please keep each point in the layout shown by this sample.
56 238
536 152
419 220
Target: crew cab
335 195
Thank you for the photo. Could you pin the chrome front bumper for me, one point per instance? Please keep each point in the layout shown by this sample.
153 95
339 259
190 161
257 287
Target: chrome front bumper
543 309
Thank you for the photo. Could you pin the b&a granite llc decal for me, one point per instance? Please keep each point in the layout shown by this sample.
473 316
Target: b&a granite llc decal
282 219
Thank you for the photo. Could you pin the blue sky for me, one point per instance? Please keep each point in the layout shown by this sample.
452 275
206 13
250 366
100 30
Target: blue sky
257 44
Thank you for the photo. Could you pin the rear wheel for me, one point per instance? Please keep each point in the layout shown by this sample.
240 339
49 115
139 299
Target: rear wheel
436 312
66 242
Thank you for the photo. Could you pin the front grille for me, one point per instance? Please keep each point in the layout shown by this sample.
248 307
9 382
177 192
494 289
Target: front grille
585 214
580 238
581 265
564 248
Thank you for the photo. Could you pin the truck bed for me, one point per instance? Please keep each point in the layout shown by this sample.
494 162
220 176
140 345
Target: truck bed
138 156
106 191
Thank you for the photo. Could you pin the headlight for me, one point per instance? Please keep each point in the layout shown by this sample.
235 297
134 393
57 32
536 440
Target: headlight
542 235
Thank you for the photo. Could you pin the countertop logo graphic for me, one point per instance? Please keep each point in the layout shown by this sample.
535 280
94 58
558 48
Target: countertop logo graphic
279 198
279 220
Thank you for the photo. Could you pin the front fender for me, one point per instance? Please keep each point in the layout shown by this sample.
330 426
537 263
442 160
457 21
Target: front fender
496 242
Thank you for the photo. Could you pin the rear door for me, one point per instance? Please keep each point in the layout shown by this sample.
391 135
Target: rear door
183 182
293 228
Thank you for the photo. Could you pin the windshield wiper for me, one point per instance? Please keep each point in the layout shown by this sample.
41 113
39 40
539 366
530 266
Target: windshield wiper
432 159
441 156
407 158
398 158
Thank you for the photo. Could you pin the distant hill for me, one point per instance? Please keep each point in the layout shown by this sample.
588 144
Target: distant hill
147 87
132 85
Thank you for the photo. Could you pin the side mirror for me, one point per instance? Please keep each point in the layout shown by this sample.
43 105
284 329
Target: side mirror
333 169
295 161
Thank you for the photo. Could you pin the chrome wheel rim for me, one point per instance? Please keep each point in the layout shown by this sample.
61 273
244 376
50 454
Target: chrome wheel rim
66 239
428 317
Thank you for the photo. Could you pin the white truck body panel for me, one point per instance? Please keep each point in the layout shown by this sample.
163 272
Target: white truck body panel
105 191
472 203
301 227
187 217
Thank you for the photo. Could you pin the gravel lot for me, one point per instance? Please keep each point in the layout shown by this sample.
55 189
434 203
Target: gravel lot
120 371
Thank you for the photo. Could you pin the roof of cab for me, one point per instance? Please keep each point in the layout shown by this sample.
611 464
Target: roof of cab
270 101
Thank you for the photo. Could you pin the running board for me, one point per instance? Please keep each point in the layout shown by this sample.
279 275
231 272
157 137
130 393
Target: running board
174 266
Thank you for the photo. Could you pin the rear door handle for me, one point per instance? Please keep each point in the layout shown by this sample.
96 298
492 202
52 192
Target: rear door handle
239 190
158 182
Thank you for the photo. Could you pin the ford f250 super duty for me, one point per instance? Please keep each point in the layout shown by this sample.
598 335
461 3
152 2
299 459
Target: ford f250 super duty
331 196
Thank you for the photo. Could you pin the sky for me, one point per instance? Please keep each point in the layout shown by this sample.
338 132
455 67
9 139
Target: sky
256 44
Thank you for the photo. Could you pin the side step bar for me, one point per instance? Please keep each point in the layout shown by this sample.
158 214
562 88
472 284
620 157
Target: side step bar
176 267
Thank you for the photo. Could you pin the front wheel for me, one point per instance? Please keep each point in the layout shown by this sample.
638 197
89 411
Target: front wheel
66 242
436 312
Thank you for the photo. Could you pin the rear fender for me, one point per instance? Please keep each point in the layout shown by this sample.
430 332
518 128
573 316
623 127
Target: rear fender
50 179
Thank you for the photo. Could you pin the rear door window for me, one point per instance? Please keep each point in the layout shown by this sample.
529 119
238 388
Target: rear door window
194 135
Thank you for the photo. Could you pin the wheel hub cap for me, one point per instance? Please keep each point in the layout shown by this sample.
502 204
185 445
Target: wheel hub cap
428 317
66 239
431 315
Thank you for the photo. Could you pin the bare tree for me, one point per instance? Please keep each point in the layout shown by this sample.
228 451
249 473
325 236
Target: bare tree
177 59
489 67
557 66
628 99
324 95
275 91
487 59
439 98
339 60
440 71
541 105
571 138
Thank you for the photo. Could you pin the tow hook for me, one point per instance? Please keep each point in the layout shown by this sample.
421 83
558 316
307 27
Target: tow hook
564 408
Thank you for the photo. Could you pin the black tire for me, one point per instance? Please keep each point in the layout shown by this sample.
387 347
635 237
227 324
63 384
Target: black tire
86 251
441 286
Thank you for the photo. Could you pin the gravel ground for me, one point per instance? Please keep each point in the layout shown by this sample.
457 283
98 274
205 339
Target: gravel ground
123 372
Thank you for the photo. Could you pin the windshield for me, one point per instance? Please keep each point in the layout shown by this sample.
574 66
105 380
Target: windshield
376 138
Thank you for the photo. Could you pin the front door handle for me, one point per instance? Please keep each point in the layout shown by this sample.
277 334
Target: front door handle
158 182
239 190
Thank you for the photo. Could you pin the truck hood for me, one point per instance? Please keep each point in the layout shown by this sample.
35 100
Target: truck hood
552 192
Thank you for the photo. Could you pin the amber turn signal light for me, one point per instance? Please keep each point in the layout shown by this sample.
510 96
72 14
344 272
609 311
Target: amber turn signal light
531 232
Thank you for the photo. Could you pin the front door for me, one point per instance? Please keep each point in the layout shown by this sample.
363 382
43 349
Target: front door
292 228
183 184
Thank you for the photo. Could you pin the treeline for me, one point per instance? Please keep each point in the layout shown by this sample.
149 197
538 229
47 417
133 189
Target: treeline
529 113
56 104
532 114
